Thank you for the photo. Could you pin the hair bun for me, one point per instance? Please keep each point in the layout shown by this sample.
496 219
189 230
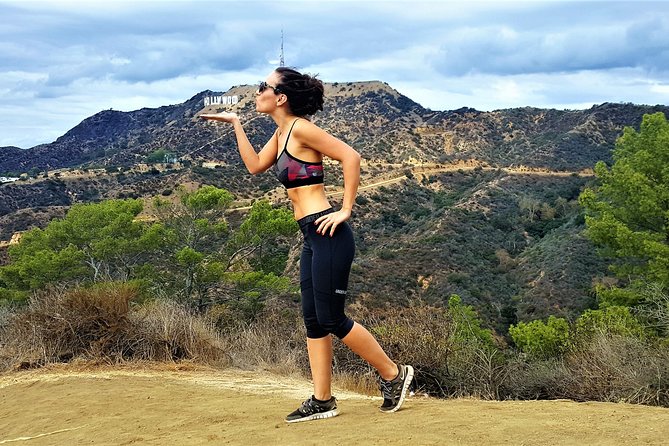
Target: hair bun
304 92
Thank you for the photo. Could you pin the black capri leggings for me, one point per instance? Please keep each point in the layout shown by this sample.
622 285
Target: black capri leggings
325 265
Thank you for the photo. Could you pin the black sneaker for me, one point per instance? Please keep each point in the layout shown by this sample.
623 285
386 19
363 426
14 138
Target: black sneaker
395 391
313 409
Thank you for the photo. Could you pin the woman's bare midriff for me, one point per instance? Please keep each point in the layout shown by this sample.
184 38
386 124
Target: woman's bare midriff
308 200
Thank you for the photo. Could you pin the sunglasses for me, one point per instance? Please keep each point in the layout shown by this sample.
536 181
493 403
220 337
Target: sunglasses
264 86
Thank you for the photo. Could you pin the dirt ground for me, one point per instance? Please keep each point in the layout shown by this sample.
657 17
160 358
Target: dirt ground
188 405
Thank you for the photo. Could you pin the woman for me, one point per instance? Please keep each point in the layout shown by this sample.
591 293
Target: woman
296 149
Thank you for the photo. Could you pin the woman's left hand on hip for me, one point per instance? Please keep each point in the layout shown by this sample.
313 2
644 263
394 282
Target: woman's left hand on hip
331 221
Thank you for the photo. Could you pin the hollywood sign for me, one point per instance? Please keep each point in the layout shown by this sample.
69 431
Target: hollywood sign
220 100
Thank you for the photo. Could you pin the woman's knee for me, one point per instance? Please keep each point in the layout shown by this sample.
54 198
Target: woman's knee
320 327
339 327
314 328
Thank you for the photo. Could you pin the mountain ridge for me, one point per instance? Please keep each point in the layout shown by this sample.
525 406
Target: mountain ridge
111 136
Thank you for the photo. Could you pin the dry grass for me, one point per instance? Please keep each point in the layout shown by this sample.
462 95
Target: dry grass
364 384
104 326
275 341
101 324
610 368
618 369
420 335
534 379
167 331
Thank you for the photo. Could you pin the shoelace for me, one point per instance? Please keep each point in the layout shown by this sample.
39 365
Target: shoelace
307 407
386 388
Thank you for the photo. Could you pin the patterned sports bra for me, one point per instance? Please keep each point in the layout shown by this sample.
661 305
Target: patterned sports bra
293 172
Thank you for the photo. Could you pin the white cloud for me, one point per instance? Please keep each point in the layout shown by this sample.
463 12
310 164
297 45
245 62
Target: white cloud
126 55
661 89
503 50
575 90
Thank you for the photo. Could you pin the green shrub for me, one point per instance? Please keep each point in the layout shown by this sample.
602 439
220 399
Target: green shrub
614 320
541 339
9 297
611 296
477 366
468 323
386 254
158 156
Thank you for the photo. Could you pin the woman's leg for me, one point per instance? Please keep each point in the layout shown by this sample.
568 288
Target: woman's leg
319 342
320 362
362 343
325 265
330 267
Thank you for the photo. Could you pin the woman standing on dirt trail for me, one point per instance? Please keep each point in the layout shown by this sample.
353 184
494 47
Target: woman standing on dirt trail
296 150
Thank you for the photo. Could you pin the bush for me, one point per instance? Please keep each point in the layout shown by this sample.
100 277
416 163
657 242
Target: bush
541 339
618 368
601 367
420 335
451 354
530 378
10 297
468 323
58 326
99 323
158 156
274 341
164 330
615 320
477 365
654 309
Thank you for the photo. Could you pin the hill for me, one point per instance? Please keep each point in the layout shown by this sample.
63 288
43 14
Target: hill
10 150
481 204
373 117
189 406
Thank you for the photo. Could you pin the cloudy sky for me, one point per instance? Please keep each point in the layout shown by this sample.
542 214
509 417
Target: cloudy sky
62 61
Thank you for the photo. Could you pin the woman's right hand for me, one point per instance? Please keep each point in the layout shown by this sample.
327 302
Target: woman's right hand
222 116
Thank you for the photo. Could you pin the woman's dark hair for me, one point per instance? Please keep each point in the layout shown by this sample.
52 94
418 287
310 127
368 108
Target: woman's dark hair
304 92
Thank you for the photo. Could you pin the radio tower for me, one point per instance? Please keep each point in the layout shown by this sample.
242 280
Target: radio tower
281 61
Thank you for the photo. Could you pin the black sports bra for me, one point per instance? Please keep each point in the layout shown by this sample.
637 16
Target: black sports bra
293 172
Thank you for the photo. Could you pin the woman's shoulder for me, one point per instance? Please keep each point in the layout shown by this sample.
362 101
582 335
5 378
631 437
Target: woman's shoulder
305 127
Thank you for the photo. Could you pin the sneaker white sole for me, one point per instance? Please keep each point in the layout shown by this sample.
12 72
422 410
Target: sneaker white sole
405 388
316 416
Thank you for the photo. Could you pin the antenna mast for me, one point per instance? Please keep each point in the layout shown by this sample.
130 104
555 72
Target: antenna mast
281 61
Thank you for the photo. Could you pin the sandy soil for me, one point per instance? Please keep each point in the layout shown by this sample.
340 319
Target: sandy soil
187 405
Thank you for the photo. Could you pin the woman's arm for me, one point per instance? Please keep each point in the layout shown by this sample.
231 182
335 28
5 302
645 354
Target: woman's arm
254 162
318 139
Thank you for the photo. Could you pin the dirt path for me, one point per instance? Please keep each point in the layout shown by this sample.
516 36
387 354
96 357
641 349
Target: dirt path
197 406
431 169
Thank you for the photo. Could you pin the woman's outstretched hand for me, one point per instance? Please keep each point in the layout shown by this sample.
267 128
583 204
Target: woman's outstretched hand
331 221
223 116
